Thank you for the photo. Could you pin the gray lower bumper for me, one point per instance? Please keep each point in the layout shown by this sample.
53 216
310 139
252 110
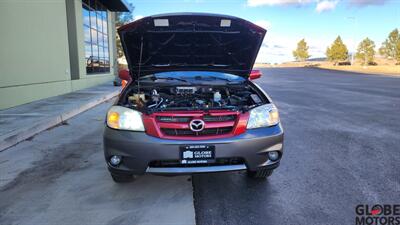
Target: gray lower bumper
188 170
139 149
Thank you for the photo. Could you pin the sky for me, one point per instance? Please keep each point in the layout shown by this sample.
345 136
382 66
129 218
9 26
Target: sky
288 21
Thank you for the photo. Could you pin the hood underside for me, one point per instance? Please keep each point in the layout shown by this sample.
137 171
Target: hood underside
191 41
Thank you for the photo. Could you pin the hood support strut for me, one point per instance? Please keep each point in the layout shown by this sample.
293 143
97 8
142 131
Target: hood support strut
140 64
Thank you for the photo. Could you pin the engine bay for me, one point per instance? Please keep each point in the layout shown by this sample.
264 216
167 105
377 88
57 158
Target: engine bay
152 99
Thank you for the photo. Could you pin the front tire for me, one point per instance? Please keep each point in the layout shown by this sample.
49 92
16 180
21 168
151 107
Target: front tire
260 173
121 178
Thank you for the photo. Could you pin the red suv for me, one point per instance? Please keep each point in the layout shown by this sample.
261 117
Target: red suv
190 105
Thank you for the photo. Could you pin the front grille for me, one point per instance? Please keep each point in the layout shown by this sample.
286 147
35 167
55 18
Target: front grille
176 124
205 132
218 162
206 118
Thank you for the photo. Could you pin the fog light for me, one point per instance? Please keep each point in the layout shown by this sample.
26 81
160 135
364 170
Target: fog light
273 156
115 160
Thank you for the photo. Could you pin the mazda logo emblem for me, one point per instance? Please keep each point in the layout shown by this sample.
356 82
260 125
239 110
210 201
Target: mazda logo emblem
196 125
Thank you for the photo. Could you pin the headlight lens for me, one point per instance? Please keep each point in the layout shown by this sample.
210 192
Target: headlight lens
263 116
122 118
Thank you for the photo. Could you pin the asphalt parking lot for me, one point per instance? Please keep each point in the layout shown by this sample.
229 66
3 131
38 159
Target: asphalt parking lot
342 148
342 138
59 178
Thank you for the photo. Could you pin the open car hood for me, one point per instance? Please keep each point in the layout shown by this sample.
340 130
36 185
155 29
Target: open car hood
191 41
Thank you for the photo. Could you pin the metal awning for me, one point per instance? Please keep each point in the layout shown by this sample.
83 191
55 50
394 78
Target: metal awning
116 5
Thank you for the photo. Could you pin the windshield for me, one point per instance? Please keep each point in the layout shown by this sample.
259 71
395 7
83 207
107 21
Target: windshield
198 75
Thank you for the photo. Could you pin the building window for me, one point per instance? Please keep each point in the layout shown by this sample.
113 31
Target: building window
95 28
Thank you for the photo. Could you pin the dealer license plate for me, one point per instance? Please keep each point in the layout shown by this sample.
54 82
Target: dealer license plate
197 154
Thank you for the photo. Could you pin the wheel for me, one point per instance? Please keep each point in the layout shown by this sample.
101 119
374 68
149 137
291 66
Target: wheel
121 178
259 174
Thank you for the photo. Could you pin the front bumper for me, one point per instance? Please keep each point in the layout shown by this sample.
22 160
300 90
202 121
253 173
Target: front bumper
138 150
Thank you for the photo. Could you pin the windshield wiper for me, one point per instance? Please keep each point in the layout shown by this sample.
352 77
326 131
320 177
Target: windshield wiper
208 77
216 78
169 78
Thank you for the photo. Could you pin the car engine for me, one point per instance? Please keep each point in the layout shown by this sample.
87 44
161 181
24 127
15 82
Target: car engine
236 97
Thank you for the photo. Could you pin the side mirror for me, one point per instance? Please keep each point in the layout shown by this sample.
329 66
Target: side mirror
255 74
124 75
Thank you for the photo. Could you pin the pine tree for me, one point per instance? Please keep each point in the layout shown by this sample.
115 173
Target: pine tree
398 53
122 18
337 52
301 52
366 51
389 47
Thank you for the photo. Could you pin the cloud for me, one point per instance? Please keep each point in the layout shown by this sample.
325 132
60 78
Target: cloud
323 6
138 17
274 51
361 3
277 48
255 3
264 24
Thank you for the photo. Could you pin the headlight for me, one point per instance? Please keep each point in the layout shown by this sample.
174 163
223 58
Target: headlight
263 116
122 118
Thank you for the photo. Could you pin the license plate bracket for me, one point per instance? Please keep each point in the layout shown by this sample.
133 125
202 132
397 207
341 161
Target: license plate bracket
197 154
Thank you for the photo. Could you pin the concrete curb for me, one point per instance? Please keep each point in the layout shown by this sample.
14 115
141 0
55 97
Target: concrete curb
19 135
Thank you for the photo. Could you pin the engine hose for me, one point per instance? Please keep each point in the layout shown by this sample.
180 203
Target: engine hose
156 104
151 106
159 103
